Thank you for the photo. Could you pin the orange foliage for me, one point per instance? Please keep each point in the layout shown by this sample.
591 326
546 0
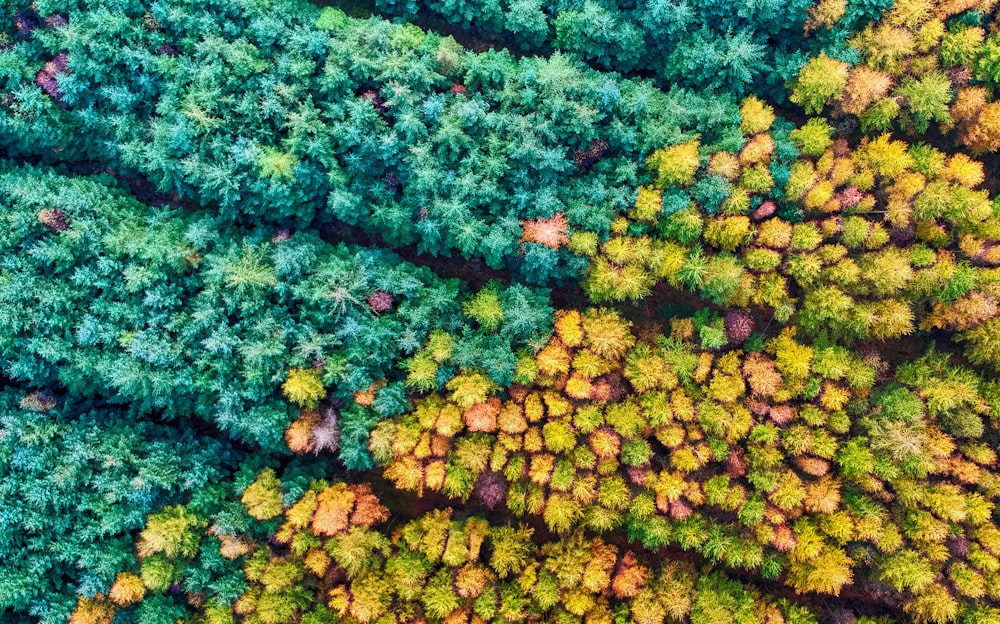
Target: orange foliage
864 87
757 149
597 574
630 577
366 398
298 435
511 419
333 510
92 611
761 374
984 134
232 547
815 466
965 313
551 232
471 580
434 474
605 443
954 7
553 359
367 508
483 416
127 589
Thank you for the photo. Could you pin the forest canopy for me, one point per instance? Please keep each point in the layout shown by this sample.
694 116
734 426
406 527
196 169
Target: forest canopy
475 312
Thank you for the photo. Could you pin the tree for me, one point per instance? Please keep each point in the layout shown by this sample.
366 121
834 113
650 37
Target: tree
907 570
303 387
820 80
813 138
983 344
127 589
263 497
928 98
485 308
675 165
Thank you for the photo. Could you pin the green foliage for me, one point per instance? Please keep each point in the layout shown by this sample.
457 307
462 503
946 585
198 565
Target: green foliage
813 138
80 479
326 115
928 99
705 47
176 322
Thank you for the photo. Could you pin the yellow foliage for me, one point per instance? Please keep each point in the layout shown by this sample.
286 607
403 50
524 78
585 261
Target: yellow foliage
304 387
801 179
675 165
935 605
826 573
907 185
470 388
885 46
909 13
553 359
792 359
127 589
262 498
590 365
583 243
434 475
569 327
890 319
449 420
439 345
92 611
819 195
928 38
727 388
757 116
775 233
556 405
842 171
724 164
648 204
607 333
820 80
883 155
728 233
824 14
300 514
834 397
578 387
963 170
317 561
